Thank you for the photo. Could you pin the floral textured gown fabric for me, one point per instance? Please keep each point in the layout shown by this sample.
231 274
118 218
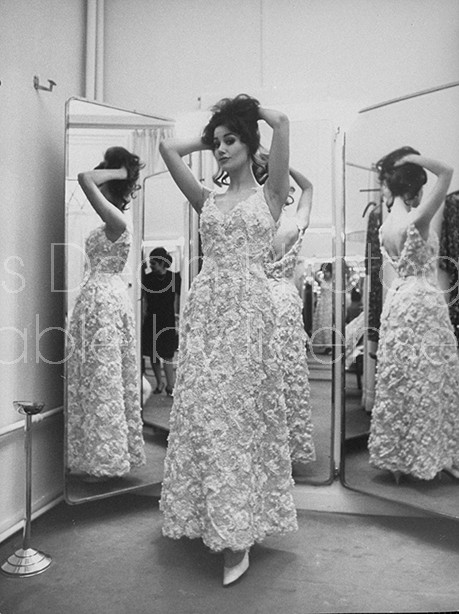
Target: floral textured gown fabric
104 426
415 419
291 338
323 319
227 475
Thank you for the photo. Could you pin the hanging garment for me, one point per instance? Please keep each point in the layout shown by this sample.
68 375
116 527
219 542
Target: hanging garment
449 255
373 263
308 307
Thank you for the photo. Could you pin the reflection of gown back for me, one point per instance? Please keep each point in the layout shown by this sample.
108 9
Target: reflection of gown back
415 419
291 339
104 427
227 475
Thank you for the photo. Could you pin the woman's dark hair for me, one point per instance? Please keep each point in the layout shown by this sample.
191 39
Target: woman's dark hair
327 267
405 180
240 115
124 189
161 255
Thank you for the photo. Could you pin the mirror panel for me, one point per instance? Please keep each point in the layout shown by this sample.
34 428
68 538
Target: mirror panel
90 129
165 224
428 123
313 151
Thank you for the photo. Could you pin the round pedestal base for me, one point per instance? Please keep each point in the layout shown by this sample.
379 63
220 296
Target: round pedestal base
28 562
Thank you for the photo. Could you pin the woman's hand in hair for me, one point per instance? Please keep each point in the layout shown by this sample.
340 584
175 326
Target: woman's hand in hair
409 158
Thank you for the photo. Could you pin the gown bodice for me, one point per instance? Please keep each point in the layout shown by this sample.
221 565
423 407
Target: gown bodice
105 257
418 257
240 239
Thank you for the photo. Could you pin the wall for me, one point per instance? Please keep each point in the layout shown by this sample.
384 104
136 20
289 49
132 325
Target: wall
162 55
44 39
315 58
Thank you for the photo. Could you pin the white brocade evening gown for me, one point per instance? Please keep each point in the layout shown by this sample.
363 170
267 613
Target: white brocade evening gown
415 418
104 426
291 339
227 475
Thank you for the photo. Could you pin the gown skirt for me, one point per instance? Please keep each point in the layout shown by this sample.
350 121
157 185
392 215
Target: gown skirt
415 418
103 414
292 340
227 477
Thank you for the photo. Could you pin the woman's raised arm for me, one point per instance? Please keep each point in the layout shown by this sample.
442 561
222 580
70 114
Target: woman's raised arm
172 151
277 185
423 214
303 209
90 182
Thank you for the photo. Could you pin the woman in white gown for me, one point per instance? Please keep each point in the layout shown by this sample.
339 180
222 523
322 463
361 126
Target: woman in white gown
227 477
103 419
415 418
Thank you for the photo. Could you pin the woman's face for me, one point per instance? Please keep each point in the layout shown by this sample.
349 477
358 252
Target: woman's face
157 266
230 152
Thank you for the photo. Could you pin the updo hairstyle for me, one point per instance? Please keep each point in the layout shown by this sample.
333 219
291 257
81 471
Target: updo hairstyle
240 115
124 189
405 180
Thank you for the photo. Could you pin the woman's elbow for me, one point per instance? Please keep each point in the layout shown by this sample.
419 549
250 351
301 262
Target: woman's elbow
282 120
81 177
163 147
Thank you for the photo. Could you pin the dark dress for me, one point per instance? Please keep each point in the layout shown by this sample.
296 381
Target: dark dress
159 334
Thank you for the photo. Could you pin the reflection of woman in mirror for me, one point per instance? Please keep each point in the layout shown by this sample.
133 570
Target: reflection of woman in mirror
104 428
161 293
322 320
415 419
227 475
291 336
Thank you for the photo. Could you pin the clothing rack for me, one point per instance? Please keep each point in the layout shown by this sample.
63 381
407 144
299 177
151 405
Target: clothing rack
430 90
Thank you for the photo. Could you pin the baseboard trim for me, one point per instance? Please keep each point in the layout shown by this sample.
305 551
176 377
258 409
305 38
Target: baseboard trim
18 526
336 498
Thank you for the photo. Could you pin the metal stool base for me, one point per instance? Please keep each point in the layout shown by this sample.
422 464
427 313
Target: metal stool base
24 563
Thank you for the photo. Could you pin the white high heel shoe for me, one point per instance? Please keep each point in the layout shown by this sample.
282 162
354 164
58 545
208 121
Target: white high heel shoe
231 574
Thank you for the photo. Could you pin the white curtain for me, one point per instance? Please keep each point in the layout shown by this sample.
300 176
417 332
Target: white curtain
146 145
